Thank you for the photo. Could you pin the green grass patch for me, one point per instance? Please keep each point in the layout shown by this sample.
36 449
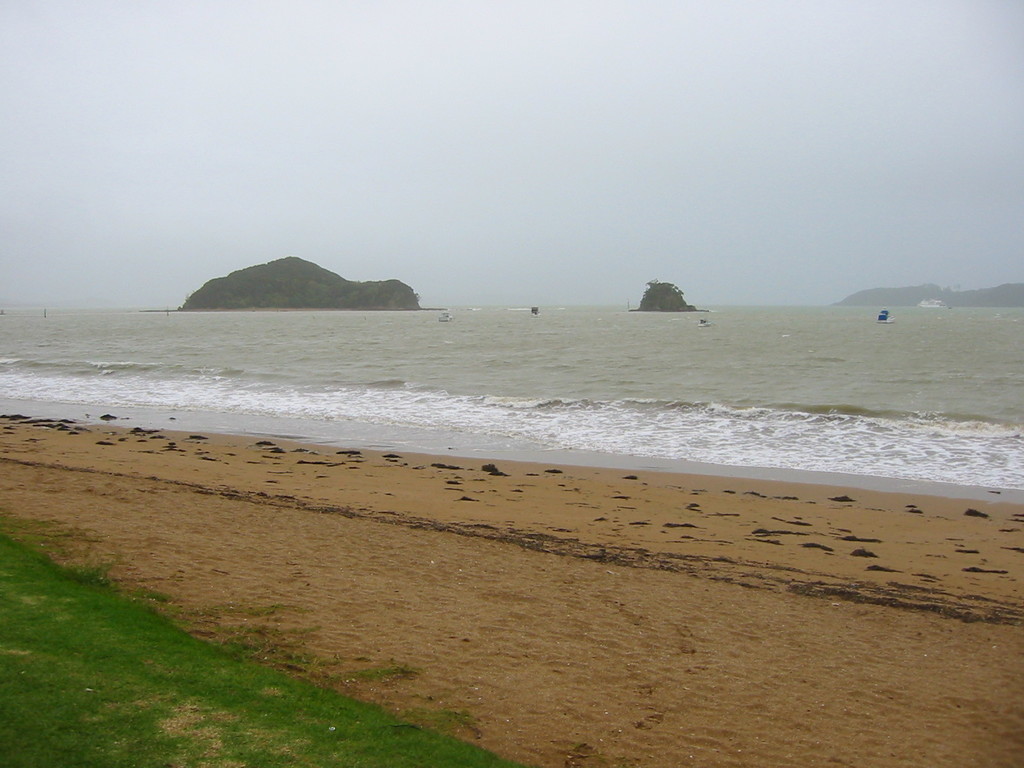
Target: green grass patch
90 678
89 575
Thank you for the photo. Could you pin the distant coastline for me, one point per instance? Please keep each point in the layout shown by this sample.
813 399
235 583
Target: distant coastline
1005 295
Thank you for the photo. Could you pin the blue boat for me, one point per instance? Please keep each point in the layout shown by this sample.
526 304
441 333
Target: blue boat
884 317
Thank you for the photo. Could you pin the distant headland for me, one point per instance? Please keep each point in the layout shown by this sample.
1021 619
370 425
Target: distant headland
1006 295
663 297
294 283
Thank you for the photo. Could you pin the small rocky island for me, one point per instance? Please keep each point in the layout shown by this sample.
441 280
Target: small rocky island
663 297
294 283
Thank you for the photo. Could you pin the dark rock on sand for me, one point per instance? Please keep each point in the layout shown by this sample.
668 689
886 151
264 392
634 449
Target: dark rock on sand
816 545
863 553
792 522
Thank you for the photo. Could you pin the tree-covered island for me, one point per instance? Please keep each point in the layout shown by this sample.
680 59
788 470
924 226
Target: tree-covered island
663 297
294 283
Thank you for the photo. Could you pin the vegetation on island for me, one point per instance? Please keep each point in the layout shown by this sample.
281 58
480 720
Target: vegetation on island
664 297
1006 295
294 283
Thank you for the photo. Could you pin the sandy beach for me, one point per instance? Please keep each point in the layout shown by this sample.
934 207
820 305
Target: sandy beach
572 616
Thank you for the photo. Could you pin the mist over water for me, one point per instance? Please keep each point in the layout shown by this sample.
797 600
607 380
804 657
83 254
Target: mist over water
934 396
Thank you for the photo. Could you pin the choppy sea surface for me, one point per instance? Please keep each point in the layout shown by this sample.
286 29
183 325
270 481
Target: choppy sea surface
937 396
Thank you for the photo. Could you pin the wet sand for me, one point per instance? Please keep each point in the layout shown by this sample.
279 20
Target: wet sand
572 616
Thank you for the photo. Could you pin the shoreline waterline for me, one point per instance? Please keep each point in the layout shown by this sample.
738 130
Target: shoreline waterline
805 389
379 437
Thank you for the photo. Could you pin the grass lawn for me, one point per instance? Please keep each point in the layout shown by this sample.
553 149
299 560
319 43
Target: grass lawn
91 678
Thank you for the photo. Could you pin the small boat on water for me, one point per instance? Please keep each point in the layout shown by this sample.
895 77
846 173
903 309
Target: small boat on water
885 317
445 317
933 304
702 323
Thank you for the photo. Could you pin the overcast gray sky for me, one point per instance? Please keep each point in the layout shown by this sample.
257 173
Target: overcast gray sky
750 151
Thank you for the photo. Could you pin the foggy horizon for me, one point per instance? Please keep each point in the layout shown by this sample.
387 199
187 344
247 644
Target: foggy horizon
631 300
564 154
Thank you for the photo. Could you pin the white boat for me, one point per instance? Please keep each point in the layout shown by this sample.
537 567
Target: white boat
445 317
702 323
885 317
933 304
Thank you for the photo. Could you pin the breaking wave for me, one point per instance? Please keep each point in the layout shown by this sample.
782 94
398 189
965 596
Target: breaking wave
832 438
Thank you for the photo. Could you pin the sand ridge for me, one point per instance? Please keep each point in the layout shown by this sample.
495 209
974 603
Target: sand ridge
579 616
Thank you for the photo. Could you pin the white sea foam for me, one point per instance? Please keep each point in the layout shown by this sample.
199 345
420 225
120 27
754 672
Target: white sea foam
931 449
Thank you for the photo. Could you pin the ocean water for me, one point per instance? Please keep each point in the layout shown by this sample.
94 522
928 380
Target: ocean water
936 396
